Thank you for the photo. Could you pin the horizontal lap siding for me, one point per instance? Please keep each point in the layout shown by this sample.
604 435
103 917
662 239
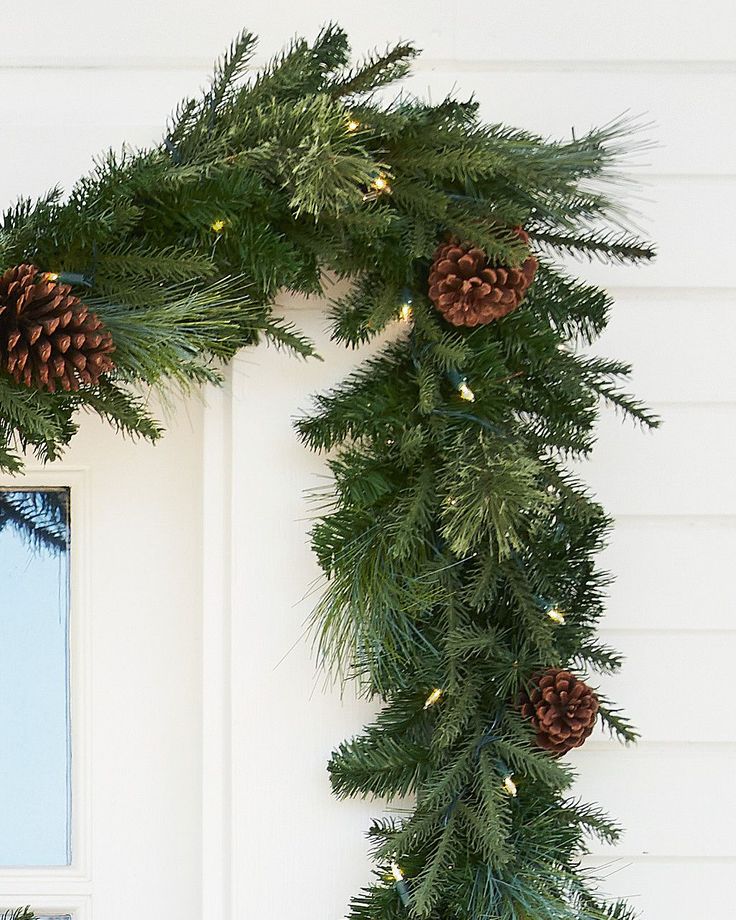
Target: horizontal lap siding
547 67
564 30
679 341
684 468
674 799
672 574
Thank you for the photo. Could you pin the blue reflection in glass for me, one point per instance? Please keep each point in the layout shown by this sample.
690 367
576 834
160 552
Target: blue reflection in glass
35 739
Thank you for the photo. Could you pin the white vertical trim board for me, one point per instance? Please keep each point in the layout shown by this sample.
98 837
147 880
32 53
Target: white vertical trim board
216 654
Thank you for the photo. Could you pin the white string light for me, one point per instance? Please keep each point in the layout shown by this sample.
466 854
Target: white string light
556 615
434 697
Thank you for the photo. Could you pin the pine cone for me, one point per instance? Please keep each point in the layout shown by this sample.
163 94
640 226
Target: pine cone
48 337
562 709
468 291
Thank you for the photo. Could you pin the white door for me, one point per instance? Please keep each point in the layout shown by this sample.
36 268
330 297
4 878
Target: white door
104 821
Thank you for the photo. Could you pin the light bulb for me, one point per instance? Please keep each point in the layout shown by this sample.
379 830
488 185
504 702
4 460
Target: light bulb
510 786
379 186
465 392
433 697
218 225
406 312
353 125
556 615
401 887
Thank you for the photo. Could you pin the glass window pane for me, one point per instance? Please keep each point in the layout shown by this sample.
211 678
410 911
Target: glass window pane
20 912
35 739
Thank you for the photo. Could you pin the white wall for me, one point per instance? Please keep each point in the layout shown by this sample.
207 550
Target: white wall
77 76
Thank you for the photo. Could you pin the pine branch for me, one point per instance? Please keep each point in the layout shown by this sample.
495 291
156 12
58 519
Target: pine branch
615 722
607 246
377 765
429 886
230 67
126 412
375 71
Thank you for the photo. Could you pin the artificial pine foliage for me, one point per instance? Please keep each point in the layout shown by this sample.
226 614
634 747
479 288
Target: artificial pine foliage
268 182
454 527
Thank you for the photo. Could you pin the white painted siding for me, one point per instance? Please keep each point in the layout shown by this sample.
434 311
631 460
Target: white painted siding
78 76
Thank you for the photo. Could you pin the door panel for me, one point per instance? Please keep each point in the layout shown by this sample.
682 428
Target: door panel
135 678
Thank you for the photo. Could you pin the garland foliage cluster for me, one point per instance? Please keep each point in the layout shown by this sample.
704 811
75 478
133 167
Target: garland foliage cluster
458 547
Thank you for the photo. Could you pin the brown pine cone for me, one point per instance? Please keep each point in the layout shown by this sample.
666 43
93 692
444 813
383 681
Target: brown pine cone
468 291
48 337
562 709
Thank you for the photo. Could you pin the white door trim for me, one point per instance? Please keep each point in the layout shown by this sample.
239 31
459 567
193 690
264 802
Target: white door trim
216 654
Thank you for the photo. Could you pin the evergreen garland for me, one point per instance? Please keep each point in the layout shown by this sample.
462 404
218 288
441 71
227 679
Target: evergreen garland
458 548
